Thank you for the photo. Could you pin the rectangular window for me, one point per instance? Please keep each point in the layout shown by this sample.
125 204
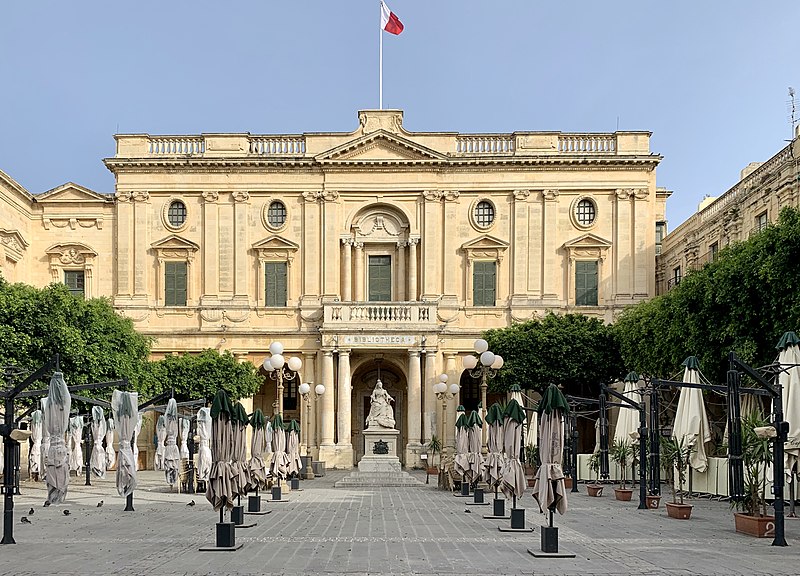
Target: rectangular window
586 283
75 281
661 231
761 222
484 283
380 279
290 394
676 276
275 284
175 283
714 251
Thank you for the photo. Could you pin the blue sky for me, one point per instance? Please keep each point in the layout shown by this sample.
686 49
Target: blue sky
709 78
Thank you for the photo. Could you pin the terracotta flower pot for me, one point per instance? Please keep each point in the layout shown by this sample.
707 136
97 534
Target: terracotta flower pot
623 494
758 526
531 480
679 511
568 483
653 501
594 490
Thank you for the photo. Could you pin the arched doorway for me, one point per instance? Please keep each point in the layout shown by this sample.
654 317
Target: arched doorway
363 382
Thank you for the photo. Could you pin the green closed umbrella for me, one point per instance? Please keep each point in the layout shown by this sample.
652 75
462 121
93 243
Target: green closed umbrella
240 470
548 489
474 433
513 481
461 461
279 465
219 491
258 469
493 464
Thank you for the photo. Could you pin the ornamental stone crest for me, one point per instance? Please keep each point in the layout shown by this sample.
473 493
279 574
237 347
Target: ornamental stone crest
210 196
140 196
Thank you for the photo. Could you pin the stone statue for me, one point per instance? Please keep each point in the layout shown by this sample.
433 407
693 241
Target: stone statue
381 414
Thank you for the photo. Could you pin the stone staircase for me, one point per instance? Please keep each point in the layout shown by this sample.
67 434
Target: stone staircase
360 479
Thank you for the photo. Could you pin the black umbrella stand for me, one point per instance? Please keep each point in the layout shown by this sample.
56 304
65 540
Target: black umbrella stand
517 519
549 544
498 507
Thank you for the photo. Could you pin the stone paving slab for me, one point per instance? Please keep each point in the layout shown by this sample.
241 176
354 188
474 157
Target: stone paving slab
367 531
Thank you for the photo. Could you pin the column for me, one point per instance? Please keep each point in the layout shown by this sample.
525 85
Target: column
210 289
412 268
309 368
429 414
414 408
401 272
241 257
623 245
519 247
551 272
640 243
312 247
141 246
347 272
326 405
124 248
343 432
359 271
453 376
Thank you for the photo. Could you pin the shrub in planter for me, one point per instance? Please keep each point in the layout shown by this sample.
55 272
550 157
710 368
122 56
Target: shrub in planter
675 458
756 457
434 446
621 453
595 489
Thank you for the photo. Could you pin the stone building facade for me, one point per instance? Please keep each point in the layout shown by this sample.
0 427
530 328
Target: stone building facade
379 252
742 211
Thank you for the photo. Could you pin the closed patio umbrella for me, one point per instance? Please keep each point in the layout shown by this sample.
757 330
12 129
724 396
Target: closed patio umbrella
75 438
218 491
203 450
161 436
136 431
35 455
240 469
268 443
172 456
548 488
258 469
45 440
789 379
513 480
461 460
474 436
56 419
293 448
627 428
111 456
279 465
691 421
184 437
125 409
532 432
98 457
493 464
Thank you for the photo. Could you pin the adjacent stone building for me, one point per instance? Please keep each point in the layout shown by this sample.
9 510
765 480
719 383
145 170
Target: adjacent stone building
379 252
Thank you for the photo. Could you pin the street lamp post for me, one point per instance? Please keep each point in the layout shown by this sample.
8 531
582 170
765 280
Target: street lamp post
483 365
444 393
305 392
281 370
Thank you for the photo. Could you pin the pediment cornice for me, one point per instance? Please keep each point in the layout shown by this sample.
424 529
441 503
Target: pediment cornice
381 147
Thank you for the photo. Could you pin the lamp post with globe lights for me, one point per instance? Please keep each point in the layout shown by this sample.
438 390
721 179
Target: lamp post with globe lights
281 370
444 393
482 366
305 391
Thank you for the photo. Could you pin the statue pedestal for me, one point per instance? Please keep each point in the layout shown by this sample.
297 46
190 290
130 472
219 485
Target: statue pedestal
380 465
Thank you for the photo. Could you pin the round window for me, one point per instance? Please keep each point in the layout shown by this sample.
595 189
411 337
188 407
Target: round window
585 212
176 215
484 214
276 214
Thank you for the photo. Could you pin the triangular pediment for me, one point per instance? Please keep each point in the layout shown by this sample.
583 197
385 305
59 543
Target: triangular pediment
7 183
174 242
275 243
381 146
72 193
588 241
485 243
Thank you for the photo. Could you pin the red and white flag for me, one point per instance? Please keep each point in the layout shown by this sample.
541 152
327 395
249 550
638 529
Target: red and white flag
389 20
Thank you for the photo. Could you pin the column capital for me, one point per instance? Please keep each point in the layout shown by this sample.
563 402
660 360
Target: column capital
347 241
550 195
210 196
520 195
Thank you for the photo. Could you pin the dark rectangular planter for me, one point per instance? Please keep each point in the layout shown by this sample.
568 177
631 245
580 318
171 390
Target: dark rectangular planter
226 535
237 515
499 508
254 503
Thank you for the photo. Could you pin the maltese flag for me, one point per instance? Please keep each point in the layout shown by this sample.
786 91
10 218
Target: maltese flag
389 20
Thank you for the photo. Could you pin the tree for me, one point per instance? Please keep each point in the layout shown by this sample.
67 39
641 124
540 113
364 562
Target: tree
743 302
196 376
571 350
95 343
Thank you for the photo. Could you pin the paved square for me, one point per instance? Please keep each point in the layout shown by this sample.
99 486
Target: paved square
324 530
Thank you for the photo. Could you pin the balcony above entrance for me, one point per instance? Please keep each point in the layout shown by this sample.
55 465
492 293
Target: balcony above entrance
389 316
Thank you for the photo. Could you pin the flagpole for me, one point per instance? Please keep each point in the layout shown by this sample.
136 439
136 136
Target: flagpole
380 64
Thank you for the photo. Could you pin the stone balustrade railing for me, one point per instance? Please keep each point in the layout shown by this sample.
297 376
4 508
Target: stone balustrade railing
587 143
485 144
365 313
278 145
176 145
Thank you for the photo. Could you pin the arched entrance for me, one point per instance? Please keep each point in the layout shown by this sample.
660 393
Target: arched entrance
363 382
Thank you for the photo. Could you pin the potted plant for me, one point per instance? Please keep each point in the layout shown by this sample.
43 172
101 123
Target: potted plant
531 456
675 460
595 489
434 446
756 457
621 452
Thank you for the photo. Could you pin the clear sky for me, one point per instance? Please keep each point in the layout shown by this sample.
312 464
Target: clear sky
709 78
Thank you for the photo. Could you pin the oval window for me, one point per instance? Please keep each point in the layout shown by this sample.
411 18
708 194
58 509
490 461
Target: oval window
585 212
484 214
276 214
176 215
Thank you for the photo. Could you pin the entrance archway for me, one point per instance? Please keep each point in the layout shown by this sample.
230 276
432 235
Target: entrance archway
363 382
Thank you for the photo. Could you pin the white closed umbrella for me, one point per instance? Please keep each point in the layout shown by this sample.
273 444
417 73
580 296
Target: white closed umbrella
279 464
513 481
493 464
258 468
548 489
204 450
125 407
45 441
76 451
461 459
293 448
184 436
161 436
35 455
56 419
691 420
136 431
111 456
627 428
172 455
532 433
98 457
789 379
474 437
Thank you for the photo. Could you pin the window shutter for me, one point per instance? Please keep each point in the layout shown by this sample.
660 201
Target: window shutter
484 282
586 283
175 282
380 278
275 283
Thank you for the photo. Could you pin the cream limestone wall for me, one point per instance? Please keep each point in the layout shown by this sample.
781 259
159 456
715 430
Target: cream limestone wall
377 191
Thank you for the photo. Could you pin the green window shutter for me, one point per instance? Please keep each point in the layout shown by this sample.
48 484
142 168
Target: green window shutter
586 283
275 284
484 283
175 283
75 282
380 279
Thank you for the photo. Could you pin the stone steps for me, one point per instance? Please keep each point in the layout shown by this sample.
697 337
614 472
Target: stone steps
358 479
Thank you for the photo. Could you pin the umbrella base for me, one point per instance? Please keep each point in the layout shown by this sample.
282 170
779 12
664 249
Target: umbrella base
259 513
226 538
517 522
537 554
253 504
220 548
509 529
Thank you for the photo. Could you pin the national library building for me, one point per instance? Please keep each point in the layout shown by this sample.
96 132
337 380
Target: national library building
374 253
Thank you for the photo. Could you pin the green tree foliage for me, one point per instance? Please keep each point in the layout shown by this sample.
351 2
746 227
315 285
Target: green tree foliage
196 376
571 350
742 302
94 342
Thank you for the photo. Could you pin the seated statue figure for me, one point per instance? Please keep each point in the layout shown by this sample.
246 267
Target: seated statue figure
381 414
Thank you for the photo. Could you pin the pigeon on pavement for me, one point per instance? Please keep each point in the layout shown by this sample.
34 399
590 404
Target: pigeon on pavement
66 512
468 511
31 511
191 503
46 503
25 520
99 503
